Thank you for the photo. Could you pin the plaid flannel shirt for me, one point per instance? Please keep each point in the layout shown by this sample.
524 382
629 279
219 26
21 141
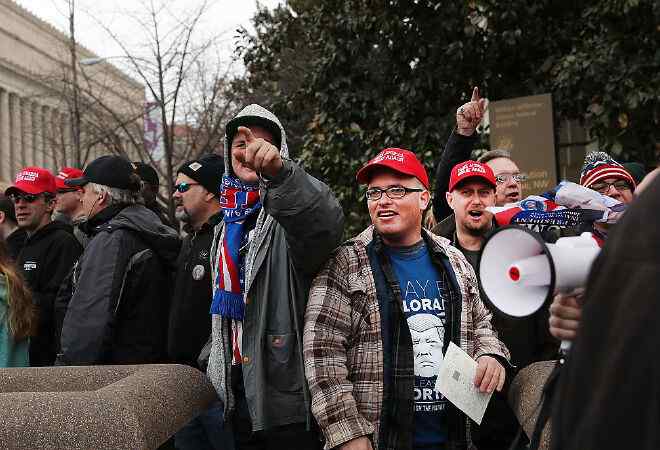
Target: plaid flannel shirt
343 346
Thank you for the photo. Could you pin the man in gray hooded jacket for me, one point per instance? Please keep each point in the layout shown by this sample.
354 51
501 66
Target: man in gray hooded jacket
280 224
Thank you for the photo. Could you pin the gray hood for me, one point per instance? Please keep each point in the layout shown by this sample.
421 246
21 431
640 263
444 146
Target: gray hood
256 115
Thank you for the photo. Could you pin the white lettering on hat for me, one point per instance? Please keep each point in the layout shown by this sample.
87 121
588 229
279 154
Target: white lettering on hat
27 175
195 166
389 155
62 176
470 168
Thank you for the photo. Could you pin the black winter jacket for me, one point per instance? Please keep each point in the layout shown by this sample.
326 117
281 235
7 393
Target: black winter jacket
190 317
46 259
458 149
119 304
15 242
528 339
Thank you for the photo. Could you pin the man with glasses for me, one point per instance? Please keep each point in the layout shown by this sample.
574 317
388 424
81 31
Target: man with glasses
47 256
368 310
603 174
197 200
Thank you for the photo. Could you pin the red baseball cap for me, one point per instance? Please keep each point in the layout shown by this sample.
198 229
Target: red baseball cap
33 180
398 160
66 173
471 169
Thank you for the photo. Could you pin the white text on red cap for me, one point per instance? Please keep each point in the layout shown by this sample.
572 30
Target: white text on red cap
389 155
27 175
470 168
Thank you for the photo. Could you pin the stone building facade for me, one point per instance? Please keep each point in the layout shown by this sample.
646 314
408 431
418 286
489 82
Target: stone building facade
35 117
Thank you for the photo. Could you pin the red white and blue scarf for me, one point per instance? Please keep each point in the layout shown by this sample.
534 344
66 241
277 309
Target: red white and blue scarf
239 201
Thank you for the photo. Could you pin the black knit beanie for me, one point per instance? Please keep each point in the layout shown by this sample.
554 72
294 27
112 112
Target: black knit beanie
206 170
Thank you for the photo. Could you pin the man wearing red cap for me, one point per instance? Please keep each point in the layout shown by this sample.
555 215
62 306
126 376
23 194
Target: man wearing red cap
68 198
382 313
472 187
68 202
47 256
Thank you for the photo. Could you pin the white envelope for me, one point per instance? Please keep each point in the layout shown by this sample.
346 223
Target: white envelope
456 383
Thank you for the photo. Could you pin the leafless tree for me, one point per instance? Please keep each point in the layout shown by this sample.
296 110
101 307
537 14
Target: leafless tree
183 76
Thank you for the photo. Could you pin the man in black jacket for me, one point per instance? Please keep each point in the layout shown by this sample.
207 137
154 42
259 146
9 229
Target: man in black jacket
47 256
528 339
196 194
121 286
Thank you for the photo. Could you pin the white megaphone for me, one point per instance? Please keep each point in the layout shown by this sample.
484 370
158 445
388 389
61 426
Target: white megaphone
519 272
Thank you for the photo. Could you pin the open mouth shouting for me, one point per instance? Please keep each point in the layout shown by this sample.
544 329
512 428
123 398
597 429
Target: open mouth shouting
476 214
512 197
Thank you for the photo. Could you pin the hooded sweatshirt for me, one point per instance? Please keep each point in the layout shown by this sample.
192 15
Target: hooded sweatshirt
46 258
299 224
120 291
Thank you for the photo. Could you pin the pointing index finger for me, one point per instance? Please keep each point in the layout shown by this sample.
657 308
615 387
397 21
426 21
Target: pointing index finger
247 133
475 94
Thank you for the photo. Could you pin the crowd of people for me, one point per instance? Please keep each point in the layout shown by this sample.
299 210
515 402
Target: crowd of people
309 342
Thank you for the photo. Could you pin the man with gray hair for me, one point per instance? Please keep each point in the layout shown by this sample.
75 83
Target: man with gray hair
121 285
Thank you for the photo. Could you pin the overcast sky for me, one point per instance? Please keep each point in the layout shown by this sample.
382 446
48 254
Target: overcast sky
223 17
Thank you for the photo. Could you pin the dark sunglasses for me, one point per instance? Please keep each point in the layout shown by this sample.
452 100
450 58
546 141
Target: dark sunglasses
27 198
183 187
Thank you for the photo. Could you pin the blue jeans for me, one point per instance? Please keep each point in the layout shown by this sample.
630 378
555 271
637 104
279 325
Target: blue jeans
205 432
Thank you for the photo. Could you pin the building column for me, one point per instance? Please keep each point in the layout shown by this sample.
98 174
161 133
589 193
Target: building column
37 129
66 155
27 158
34 130
51 135
5 167
16 146
44 149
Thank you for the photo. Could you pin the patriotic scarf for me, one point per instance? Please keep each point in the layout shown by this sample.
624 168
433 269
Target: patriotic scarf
239 201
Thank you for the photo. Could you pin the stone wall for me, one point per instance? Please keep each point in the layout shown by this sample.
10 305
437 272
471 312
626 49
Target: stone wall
99 407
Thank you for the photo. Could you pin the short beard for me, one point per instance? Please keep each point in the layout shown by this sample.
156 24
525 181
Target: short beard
182 215
477 231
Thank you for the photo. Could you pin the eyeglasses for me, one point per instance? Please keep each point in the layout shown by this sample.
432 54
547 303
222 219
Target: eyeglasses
603 186
27 198
504 177
392 192
183 187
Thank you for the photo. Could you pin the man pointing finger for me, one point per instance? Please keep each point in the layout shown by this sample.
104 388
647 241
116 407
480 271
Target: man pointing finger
253 152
